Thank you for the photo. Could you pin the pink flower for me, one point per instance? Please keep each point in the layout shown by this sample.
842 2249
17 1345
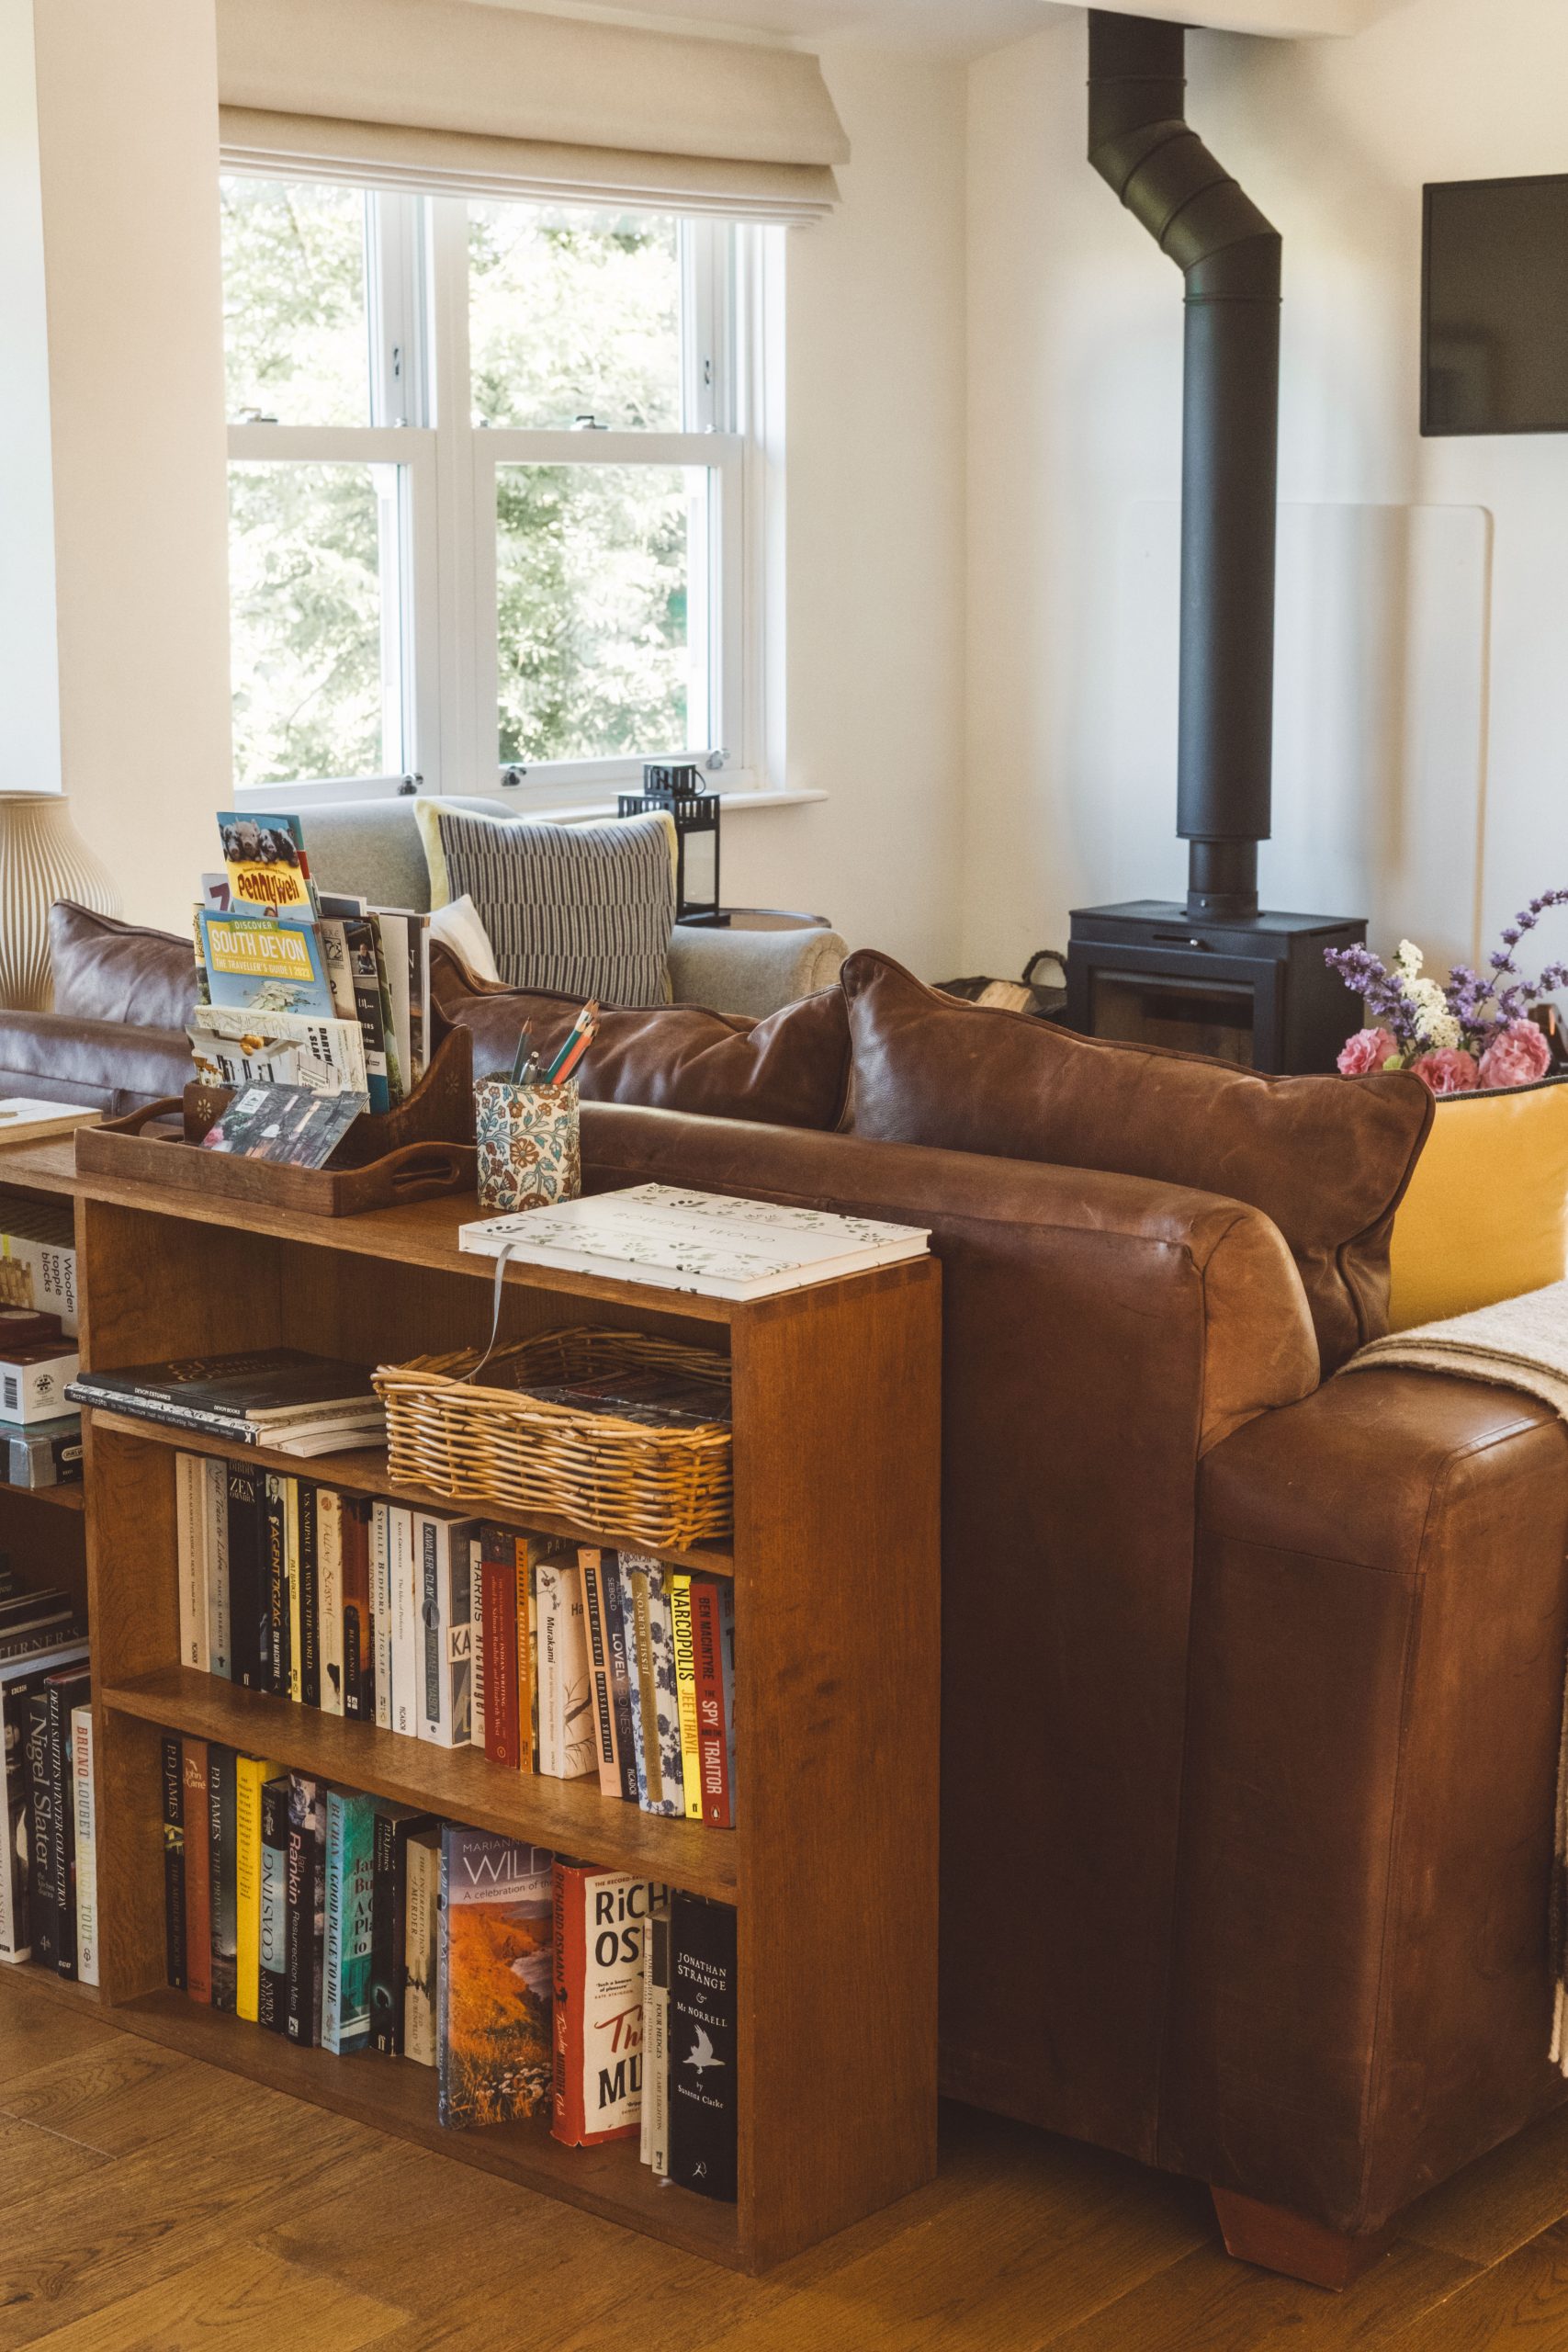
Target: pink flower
1449 1071
1367 1050
1517 1055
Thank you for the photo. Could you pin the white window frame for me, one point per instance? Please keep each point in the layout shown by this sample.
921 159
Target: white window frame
440 621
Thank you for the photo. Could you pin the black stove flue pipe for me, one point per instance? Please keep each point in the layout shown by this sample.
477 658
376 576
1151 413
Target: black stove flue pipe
1139 141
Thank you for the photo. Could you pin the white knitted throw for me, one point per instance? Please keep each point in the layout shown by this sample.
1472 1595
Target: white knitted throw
1519 1343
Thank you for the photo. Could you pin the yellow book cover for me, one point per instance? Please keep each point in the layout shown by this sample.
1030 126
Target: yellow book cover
250 1776
291 1558
686 1691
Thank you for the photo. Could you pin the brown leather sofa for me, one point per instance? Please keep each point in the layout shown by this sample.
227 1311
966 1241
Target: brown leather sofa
1252 1677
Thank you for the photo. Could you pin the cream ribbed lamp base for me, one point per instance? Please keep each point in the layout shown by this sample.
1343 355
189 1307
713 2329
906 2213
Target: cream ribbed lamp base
42 857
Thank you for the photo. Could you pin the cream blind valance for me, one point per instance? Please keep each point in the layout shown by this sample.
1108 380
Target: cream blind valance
484 100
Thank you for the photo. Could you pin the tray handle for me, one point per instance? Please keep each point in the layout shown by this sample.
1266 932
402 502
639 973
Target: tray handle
132 1123
417 1171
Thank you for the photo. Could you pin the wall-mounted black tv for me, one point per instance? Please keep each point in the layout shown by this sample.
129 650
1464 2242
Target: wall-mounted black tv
1495 307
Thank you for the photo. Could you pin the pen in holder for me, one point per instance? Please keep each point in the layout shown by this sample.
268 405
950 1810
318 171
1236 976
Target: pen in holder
529 1148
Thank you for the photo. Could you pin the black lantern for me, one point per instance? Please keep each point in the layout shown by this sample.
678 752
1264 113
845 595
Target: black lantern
681 793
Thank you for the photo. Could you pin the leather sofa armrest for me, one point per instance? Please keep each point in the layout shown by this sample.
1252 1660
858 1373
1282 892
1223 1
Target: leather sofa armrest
1097 1330
1360 2002
107 1063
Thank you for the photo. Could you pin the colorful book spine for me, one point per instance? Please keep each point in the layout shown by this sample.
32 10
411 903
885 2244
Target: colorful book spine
640 1697
495 2059
600 1924
497 1574
86 1844
703 2043
272 1955
659 1702
173 1865
327 1518
351 1885
606 1755
381 1610
358 1644
685 1691
223 1890
477 1641
198 1874
620 1675
251 1776
709 1598
305 1891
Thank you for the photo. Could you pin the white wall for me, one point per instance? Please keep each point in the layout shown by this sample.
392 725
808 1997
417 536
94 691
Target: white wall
128 150
29 682
1074 331
874 438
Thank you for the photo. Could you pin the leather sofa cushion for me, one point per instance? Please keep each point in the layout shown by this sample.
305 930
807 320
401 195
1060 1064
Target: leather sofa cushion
789 1071
101 1062
1327 1158
106 970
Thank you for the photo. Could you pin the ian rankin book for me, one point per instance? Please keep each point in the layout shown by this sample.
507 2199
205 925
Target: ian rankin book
601 1932
495 2059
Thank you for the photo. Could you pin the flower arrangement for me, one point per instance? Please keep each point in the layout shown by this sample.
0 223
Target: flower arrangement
1466 1036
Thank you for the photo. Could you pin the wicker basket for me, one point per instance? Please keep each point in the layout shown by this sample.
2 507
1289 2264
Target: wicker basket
493 1442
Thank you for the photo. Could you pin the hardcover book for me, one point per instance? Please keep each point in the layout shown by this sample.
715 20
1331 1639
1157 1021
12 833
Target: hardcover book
223 1887
272 1943
606 1734
358 1646
566 1695
304 1599
351 1883
250 1600
328 1518
654 2147
704 2110
67 1688
404 1583
443 1631
215 1506
17 1680
495 2063
657 1694
272 1491
173 1865
476 1640
245 1396
381 1641
190 1520
198 1873
600 1927
498 1578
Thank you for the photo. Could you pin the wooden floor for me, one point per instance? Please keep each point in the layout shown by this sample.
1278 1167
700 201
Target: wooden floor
149 2204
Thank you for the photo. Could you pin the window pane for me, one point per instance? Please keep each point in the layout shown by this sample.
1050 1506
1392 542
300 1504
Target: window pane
574 313
597 568
312 552
294 306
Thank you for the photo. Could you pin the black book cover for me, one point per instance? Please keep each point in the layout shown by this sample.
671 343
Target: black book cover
704 2109
274 1579
310 1599
250 1632
173 1865
304 1868
229 1387
224 1890
358 1650
43 1830
65 1689
15 1811
617 1636
271 1992
388 1924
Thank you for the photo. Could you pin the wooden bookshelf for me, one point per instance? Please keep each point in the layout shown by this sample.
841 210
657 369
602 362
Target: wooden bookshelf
834 1557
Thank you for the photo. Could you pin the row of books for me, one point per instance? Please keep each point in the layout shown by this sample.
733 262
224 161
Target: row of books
298 987
47 1874
535 1984
567 1662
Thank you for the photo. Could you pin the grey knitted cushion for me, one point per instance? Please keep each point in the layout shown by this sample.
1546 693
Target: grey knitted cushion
585 909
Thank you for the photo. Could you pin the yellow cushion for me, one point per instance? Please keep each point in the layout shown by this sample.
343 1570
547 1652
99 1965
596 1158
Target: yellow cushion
1486 1214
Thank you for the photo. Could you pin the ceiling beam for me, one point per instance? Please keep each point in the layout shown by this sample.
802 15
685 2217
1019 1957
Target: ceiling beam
1284 19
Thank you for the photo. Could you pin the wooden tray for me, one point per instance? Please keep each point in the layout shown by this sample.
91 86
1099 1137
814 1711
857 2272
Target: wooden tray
422 1147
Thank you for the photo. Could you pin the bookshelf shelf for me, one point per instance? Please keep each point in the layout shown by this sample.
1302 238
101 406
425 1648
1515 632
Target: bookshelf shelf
462 1784
364 1472
58 1498
834 1558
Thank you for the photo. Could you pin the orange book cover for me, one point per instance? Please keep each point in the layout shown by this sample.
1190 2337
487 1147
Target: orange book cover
601 1928
493 2057
198 1874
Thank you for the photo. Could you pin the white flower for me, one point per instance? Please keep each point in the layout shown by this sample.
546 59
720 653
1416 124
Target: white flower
1409 960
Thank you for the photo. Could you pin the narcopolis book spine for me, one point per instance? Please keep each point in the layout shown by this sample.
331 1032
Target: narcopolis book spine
601 1928
494 2058
704 2108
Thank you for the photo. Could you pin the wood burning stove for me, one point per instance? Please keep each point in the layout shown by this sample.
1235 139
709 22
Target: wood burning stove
1214 975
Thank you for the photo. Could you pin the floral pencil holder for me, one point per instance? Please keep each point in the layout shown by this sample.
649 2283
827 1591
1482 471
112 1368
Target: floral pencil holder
529 1148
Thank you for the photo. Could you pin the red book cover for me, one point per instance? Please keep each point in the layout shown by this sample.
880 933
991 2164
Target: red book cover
498 1594
713 1747
601 1921
198 1875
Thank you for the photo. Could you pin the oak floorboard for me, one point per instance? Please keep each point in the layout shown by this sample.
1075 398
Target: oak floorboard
36 2028
37 2163
242 2299
1520 2305
1500 2203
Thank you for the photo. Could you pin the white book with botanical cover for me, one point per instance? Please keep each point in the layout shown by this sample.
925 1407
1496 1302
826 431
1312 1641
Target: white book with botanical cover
566 1693
706 1242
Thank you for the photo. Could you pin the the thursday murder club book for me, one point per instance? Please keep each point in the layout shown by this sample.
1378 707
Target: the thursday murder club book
495 2059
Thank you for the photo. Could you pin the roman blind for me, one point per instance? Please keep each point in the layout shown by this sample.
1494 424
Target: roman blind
467 98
